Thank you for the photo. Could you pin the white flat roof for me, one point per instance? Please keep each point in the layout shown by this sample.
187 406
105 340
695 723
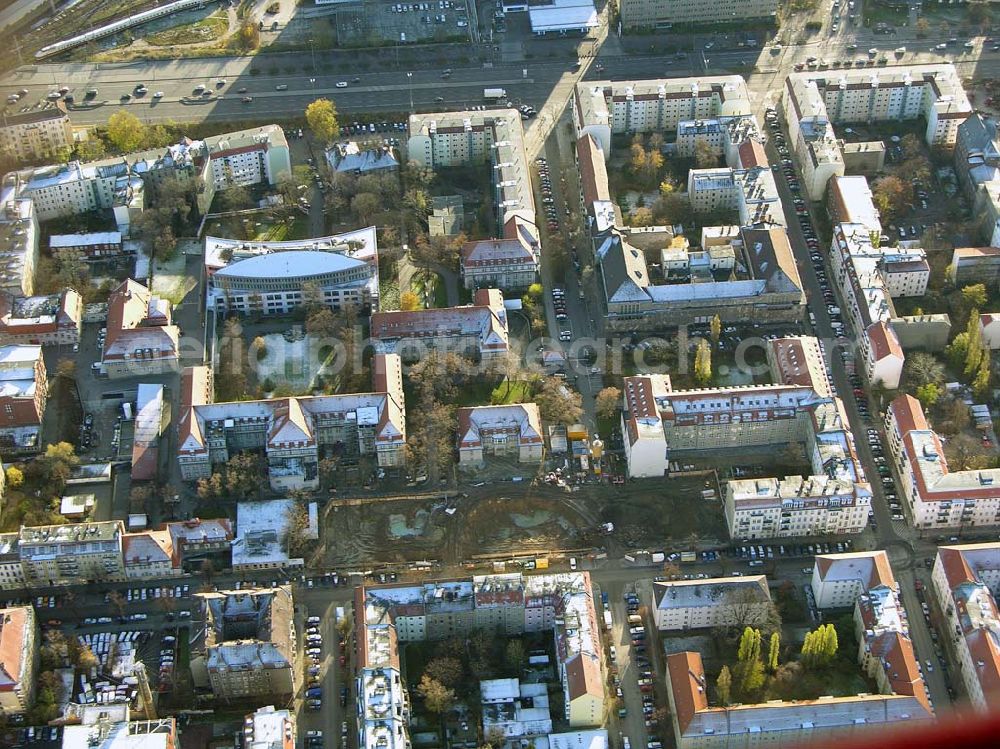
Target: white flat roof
563 14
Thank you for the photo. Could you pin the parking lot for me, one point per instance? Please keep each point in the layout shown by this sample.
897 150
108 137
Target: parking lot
432 20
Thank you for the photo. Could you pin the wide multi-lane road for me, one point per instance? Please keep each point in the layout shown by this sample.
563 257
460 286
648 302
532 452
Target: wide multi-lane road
533 82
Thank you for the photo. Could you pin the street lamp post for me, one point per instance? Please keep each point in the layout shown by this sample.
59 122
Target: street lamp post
409 81
312 53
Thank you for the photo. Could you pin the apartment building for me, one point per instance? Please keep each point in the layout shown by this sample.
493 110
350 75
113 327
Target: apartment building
839 579
261 530
697 725
149 555
800 406
269 728
271 278
350 158
477 330
509 263
23 396
989 330
245 648
19 236
386 616
865 582
296 432
870 275
601 108
11 572
72 554
141 338
247 157
54 319
795 506
19 642
850 201
663 14
109 726
152 417
90 246
977 153
511 431
815 100
692 132
966 583
492 136
517 710
717 602
197 539
971 265
35 134
935 496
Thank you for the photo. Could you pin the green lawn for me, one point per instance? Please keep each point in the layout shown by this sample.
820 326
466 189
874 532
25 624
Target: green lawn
259 227
518 391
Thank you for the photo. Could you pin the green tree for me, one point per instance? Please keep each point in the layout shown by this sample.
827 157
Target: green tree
321 116
703 362
922 368
958 350
716 329
641 216
749 670
14 477
974 350
772 652
667 187
437 697
928 394
125 131
366 206
974 296
981 382
724 686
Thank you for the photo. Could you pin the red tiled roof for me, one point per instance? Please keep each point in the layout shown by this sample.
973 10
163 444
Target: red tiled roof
884 341
687 684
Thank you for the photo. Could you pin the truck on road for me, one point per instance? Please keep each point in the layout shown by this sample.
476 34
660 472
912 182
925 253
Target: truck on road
494 93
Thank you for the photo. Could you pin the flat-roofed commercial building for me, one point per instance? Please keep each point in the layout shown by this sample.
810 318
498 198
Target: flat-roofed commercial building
663 14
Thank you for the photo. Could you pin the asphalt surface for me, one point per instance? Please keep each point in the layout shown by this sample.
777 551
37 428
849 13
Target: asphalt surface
534 82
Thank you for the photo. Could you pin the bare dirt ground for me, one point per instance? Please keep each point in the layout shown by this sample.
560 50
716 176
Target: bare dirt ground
518 519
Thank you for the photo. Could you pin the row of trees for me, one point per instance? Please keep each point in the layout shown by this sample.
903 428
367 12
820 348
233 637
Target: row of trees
746 680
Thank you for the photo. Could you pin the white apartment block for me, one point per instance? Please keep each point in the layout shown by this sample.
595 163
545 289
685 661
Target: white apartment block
662 14
966 582
794 506
511 431
494 136
715 602
509 603
269 277
71 554
937 497
870 275
269 728
691 132
36 134
295 432
813 100
838 579
658 105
